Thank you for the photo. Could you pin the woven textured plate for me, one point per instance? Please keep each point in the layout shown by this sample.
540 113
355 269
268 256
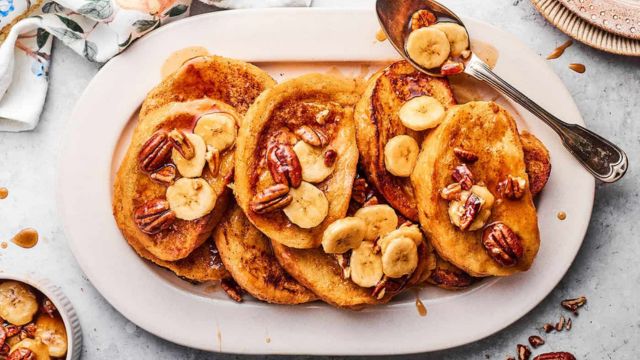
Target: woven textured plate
621 17
580 29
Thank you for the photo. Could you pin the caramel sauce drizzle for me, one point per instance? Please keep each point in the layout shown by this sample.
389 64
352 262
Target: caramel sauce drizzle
559 50
381 36
562 215
579 68
4 192
26 238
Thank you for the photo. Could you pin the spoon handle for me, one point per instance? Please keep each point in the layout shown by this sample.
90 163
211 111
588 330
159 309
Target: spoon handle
606 161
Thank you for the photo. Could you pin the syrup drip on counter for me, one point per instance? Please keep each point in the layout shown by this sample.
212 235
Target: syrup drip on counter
4 245
422 310
178 58
559 50
381 36
562 215
579 68
4 192
26 238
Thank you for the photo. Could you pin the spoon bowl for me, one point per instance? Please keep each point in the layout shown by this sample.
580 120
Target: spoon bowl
603 159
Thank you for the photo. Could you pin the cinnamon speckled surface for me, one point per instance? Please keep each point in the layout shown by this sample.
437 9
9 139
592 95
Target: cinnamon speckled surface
606 269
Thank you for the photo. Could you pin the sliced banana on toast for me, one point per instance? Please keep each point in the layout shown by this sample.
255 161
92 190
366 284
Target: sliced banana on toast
313 163
343 235
18 303
191 168
191 199
400 155
380 220
422 113
309 206
366 265
217 129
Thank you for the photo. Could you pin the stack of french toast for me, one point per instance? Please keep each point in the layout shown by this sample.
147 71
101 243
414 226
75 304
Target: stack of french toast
318 188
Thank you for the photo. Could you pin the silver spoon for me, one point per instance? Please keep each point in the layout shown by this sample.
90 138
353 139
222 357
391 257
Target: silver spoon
606 161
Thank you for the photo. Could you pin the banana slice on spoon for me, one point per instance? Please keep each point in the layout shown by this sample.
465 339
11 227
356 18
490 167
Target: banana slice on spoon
18 304
428 47
309 206
191 199
457 36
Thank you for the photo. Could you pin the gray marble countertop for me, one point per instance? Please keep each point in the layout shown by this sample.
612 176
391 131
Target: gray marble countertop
605 270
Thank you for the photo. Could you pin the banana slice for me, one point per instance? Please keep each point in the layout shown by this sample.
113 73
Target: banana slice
191 199
312 162
380 220
309 206
456 207
400 257
51 331
422 113
37 347
400 155
193 167
217 129
343 235
428 46
410 231
457 36
18 303
366 265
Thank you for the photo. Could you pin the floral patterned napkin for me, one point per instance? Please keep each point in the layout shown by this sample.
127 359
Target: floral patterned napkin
96 29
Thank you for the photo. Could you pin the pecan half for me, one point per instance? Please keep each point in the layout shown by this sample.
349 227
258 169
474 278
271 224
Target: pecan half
568 325
470 212
548 328
512 187
284 165
154 216
463 175
232 289
22 354
11 330
359 192
451 68
562 355
28 331
451 192
311 136
465 155
213 159
422 18
503 244
560 324
48 307
165 175
273 198
536 341
155 152
523 352
451 279
182 144
3 335
4 350
330 157
574 304
344 261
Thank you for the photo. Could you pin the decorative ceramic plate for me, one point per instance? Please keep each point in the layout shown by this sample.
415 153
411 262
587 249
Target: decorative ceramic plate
287 43
601 24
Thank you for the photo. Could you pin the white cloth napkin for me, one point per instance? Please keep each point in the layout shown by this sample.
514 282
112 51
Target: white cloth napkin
96 29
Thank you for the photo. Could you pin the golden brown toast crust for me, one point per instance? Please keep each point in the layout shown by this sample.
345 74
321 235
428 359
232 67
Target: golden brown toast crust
537 161
489 131
377 122
248 256
234 82
133 187
281 110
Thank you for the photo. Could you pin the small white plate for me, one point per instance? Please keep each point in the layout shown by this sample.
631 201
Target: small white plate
287 42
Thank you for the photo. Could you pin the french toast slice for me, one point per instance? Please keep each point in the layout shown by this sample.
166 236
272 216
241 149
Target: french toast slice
537 162
133 187
377 122
298 141
489 131
231 81
320 273
247 255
